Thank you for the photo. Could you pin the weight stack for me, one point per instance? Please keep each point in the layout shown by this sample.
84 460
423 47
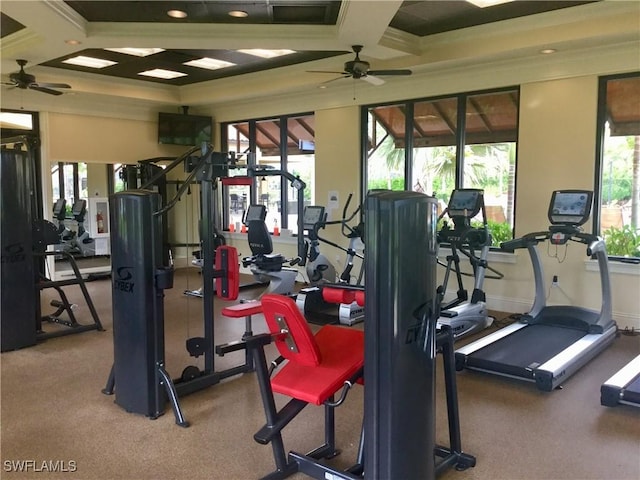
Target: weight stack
401 315
19 293
137 300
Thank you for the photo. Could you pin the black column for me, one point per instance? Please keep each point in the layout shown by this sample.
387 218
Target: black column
138 310
400 335
19 293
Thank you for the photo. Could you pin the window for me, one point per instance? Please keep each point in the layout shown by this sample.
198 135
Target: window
282 143
617 183
461 141
69 182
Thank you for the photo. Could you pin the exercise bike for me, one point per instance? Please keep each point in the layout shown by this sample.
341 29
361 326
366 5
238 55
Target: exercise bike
310 300
461 315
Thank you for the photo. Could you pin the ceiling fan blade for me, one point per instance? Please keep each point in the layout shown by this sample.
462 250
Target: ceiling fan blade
51 85
389 72
326 71
44 90
344 75
373 80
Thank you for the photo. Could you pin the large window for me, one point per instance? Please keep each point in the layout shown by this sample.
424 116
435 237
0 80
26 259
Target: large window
436 145
617 209
282 143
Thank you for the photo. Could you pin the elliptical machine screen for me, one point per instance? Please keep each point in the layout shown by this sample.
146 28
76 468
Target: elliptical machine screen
465 202
312 215
570 207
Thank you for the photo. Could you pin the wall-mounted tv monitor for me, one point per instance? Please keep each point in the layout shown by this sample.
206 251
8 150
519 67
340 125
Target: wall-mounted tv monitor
181 129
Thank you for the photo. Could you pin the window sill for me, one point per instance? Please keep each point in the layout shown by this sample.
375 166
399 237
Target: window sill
614 267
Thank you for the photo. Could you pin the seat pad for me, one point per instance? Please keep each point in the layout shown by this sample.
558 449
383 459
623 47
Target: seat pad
342 354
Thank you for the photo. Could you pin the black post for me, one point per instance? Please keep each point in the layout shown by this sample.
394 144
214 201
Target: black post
400 335
20 298
138 313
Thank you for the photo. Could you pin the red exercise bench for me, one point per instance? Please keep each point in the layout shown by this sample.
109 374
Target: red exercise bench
310 369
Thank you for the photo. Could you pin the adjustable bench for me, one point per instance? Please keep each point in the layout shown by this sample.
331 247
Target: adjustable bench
310 369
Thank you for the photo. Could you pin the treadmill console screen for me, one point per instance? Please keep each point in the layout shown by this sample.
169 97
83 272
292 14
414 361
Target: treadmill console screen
570 207
255 212
465 202
311 216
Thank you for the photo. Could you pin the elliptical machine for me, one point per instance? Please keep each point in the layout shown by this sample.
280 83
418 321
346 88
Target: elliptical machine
462 315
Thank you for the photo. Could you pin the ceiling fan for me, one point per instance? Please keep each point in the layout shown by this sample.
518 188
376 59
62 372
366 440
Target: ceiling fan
24 80
359 69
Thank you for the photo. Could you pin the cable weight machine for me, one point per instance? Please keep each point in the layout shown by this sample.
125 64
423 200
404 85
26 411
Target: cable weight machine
138 376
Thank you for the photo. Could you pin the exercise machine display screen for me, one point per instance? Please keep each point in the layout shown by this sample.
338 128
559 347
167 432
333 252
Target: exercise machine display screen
312 215
570 207
59 208
255 212
465 202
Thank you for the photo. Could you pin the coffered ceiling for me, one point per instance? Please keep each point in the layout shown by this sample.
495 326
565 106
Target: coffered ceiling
415 35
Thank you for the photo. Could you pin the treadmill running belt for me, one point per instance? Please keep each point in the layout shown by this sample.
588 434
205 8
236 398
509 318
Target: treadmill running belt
524 350
632 392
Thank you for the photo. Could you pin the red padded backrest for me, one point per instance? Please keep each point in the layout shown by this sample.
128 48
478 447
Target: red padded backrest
227 259
360 297
337 295
274 306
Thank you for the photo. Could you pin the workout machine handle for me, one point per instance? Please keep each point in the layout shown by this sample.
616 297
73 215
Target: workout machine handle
525 241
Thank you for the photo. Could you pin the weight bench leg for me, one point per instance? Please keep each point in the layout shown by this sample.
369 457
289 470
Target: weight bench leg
247 354
328 449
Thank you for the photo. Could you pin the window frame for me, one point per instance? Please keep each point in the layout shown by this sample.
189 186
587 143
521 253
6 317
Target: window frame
601 121
251 154
460 137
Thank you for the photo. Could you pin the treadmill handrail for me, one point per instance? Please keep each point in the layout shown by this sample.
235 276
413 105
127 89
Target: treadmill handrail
595 247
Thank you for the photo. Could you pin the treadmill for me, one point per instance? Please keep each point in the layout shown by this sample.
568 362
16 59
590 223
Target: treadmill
549 343
624 387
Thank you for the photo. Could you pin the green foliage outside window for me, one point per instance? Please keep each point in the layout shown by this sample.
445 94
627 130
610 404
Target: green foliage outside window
622 242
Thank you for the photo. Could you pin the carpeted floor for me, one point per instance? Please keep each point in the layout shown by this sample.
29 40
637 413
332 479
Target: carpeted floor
53 411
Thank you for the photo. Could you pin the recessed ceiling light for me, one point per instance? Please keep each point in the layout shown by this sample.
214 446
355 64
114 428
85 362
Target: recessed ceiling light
209 63
238 13
322 87
547 51
177 14
137 52
72 42
89 62
488 3
264 53
160 73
